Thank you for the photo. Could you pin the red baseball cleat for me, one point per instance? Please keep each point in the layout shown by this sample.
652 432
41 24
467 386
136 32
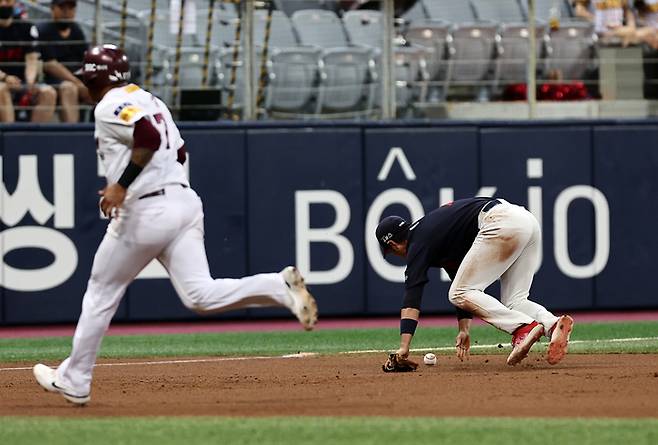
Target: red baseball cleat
522 340
560 333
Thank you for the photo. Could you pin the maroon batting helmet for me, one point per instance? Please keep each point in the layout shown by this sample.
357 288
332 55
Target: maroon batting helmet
104 65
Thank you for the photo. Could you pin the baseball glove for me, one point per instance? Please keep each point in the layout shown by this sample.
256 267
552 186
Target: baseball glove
396 363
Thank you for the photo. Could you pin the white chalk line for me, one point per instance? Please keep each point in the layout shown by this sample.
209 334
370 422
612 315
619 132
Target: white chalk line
311 354
509 346
183 361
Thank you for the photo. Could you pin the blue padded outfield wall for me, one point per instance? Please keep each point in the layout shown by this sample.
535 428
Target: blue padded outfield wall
278 194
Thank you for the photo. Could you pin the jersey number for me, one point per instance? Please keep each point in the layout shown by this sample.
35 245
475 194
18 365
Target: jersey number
160 120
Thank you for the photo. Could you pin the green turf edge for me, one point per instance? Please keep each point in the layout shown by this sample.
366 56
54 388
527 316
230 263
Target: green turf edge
329 341
326 430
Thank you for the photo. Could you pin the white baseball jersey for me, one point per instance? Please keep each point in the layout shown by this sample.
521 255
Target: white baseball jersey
115 116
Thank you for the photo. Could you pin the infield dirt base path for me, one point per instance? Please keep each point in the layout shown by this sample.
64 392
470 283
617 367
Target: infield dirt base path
613 385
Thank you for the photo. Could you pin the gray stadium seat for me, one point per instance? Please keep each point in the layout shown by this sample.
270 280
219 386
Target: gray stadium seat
293 80
500 11
364 27
225 23
543 9
415 13
347 75
454 11
289 7
411 78
512 58
433 36
572 50
316 27
346 80
282 34
471 51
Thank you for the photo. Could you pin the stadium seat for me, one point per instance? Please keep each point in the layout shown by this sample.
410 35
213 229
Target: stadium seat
316 27
433 37
543 9
453 11
471 51
289 7
347 73
346 85
512 61
282 34
223 33
293 81
572 50
411 78
499 11
411 64
364 27
415 13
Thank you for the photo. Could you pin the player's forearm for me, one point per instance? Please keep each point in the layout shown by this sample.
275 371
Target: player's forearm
464 325
408 322
141 156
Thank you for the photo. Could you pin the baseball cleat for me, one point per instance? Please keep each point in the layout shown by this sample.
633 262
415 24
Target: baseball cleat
45 376
522 340
303 304
559 344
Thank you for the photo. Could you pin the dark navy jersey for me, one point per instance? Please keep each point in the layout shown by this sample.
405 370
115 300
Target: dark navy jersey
440 239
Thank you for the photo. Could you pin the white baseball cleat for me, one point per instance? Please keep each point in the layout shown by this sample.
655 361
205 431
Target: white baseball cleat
303 304
559 344
522 340
45 376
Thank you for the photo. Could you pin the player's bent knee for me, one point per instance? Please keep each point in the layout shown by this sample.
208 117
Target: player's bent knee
457 296
193 300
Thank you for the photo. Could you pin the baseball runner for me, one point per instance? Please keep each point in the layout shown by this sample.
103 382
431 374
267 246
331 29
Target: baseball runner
476 241
154 214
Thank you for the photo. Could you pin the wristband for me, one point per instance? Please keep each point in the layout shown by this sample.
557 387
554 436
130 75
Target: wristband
408 326
129 174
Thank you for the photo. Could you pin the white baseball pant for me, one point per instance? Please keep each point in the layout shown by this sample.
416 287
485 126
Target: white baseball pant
507 246
169 228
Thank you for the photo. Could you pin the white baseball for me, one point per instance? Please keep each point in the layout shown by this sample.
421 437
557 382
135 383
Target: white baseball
429 359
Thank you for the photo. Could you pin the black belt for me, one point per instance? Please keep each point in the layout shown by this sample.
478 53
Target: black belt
490 205
158 193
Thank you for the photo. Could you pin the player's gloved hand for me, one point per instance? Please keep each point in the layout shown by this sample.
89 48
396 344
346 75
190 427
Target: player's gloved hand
463 345
113 196
396 363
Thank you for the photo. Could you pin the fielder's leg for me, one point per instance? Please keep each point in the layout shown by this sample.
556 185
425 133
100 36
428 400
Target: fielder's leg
516 281
497 245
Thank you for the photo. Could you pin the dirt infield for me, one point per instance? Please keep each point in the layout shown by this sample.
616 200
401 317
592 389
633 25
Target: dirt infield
621 385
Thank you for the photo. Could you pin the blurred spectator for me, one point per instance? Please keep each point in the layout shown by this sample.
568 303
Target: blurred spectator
615 20
647 11
63 47
19 66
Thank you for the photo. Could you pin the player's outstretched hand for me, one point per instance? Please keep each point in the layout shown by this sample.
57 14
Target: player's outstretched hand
463 345
112 198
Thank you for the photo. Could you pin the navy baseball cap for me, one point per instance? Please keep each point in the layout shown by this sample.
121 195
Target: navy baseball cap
391 228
